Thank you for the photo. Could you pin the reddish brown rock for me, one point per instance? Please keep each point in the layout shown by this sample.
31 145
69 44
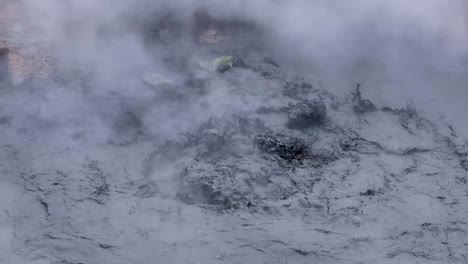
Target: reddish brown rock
19 64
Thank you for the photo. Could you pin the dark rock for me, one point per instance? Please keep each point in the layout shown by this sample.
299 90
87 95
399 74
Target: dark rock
223 64
407 113
223 68
105 246
307 113
362 105
287 148
4 70
368 193
387 109
426 225
271 61
239 63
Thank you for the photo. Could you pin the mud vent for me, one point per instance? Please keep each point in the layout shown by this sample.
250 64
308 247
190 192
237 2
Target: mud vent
4 73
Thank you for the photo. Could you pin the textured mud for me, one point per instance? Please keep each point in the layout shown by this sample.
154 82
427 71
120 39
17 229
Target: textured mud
344 182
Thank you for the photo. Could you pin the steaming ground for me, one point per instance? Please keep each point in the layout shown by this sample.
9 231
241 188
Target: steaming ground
260 163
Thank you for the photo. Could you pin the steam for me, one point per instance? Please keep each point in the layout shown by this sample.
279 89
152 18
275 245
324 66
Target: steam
399 50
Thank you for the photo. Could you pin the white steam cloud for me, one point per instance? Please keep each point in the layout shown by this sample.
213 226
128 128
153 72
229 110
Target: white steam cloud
400 50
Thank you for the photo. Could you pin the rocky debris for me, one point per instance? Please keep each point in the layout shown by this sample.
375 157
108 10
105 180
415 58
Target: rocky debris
20 64
294 151
226 171
412 122
408 113
287 148
223 64
200 186
298 89
362 105
233 187
307 113
409 117
218 137
219 173
261 66
22 56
